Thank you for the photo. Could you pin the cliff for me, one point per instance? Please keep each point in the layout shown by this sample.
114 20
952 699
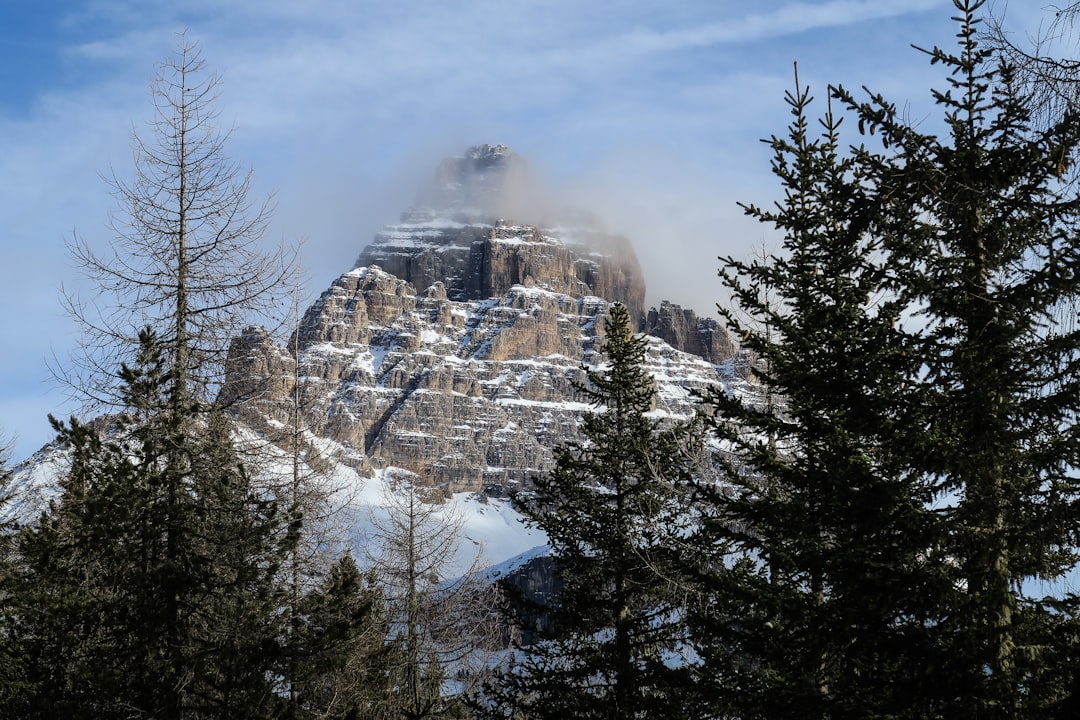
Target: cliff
461 233
473 395
455 347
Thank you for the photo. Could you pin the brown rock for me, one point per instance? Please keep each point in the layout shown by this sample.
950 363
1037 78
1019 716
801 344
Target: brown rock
684 330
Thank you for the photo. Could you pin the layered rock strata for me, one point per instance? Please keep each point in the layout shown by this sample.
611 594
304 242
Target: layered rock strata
471 395
456 346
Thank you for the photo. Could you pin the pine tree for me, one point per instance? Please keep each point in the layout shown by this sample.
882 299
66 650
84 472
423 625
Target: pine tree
147 591
912 481
342 662
613 510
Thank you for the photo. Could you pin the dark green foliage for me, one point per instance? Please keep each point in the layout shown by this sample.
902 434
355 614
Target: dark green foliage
342 659
153 587
613 511
908 474
13 688
164 581
984 229
826 616
1001 374
149 586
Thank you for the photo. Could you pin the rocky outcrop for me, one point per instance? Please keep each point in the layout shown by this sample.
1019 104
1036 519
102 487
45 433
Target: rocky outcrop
685 331
479 261
468 230
486 181
470 395
531 590
456 348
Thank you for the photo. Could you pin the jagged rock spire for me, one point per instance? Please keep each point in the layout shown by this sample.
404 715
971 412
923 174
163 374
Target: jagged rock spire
461 233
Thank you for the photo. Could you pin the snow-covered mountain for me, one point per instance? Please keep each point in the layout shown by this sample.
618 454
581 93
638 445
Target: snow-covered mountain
452 349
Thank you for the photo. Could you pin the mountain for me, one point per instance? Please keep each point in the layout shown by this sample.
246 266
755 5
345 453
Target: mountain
453 347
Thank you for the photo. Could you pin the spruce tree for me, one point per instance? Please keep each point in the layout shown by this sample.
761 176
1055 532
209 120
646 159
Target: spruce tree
898 500
147 591
824 616
612 508
985 227
341 661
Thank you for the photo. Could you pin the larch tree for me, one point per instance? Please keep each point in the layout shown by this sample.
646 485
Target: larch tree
150 587
186 256
1043 61
440 608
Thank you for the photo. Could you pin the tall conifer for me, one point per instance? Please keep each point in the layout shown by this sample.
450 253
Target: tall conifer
824 617
145 591
613 512
897 506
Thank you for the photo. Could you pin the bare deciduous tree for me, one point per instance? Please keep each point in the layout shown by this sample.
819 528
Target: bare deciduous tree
185 258
1043 62
441 612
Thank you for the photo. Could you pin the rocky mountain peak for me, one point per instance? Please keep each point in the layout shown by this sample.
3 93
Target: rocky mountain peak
455 348
460 233
481 185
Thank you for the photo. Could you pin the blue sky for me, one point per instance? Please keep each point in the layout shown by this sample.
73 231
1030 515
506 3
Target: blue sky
647 111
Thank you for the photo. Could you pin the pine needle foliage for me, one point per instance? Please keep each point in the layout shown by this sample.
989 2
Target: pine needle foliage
613 512
148 587
908 477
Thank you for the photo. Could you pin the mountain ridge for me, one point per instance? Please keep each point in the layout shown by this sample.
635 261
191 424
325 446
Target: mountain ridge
455 348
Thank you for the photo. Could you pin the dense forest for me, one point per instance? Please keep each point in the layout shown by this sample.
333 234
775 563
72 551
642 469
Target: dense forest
860 536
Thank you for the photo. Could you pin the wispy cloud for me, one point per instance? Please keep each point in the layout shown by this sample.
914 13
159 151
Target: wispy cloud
652 110
790 19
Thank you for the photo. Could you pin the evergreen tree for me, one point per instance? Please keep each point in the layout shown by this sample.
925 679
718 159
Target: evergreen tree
13 687
165 581
613 510
824 615
342 661
895 508
146 590
985 226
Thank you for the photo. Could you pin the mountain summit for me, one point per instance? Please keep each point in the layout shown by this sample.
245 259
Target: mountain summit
459 233
453 348
478 185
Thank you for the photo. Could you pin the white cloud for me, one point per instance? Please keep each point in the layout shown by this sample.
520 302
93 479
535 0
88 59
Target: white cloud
652 110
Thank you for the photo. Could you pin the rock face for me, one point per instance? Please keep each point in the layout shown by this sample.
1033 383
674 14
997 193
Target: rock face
470 395
684 330
458 234
454 348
